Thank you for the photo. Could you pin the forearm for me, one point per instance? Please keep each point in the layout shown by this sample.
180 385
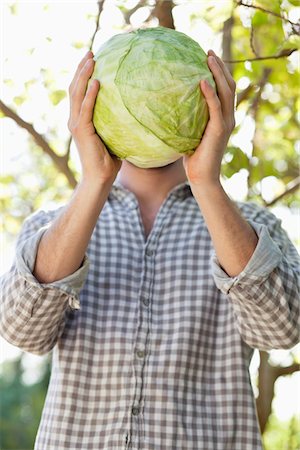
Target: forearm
62 248
233 238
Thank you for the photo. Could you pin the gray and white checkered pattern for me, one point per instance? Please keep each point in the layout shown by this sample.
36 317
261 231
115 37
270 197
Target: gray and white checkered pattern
151 339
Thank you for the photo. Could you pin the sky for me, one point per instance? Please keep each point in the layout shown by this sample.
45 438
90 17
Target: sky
41 42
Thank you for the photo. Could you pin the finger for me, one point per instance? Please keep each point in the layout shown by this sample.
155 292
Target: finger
227 74
213 103
87 108
87 56
224 92
78 93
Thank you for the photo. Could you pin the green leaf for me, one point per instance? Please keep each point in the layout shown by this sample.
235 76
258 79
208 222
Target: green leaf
259 18
78 44
234 160
270 5
19 100
29 83
57 96
48 76
13 9
292 42
9 82
215 15
7 179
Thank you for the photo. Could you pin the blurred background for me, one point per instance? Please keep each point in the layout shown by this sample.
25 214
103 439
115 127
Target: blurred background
42 43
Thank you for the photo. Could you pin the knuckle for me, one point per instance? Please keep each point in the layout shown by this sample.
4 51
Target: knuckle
220 130
75 129
231 125
217 104
228 92
74 95
223 130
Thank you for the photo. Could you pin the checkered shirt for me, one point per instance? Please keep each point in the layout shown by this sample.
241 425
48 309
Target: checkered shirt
151 340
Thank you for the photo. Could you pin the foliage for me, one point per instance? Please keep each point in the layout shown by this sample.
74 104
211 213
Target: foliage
265 142
258 40
282 435
272 151
21 405
23 192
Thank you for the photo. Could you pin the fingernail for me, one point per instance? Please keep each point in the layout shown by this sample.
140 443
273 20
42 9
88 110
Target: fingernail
95 84
211 59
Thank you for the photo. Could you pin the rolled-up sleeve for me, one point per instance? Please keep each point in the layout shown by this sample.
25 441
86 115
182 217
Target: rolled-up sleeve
265 295
32 314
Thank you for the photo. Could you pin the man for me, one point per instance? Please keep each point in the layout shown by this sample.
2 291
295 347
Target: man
152 288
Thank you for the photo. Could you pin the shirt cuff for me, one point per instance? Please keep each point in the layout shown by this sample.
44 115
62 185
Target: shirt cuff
265 258
25 260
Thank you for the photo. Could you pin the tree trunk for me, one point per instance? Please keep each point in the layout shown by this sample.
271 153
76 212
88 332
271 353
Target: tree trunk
163 12
267 375
266 381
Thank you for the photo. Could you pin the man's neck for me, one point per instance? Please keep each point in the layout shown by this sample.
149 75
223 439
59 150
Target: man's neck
151 186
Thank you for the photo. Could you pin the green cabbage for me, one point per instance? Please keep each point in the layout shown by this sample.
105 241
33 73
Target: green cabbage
150 110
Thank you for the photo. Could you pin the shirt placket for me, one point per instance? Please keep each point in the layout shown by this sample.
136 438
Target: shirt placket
143 327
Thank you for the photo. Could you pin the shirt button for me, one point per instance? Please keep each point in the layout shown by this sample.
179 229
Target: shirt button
140 353
135 411
146 301
149 252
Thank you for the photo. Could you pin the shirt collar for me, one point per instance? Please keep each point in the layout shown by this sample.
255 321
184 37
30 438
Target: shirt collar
119 192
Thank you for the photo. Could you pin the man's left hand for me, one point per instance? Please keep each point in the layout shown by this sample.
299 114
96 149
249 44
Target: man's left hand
204 165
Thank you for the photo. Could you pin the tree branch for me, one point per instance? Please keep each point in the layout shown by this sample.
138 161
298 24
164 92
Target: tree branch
261 84
60 161
291 187
131 11
283 54
289 370
294 25
68 148
100 4
244 94
253 110
227 40
252 42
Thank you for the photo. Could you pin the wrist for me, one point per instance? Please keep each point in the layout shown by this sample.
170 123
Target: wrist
210 192
95 186
207 186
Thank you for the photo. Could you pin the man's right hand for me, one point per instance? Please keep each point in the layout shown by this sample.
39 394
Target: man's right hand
98 165
62 247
